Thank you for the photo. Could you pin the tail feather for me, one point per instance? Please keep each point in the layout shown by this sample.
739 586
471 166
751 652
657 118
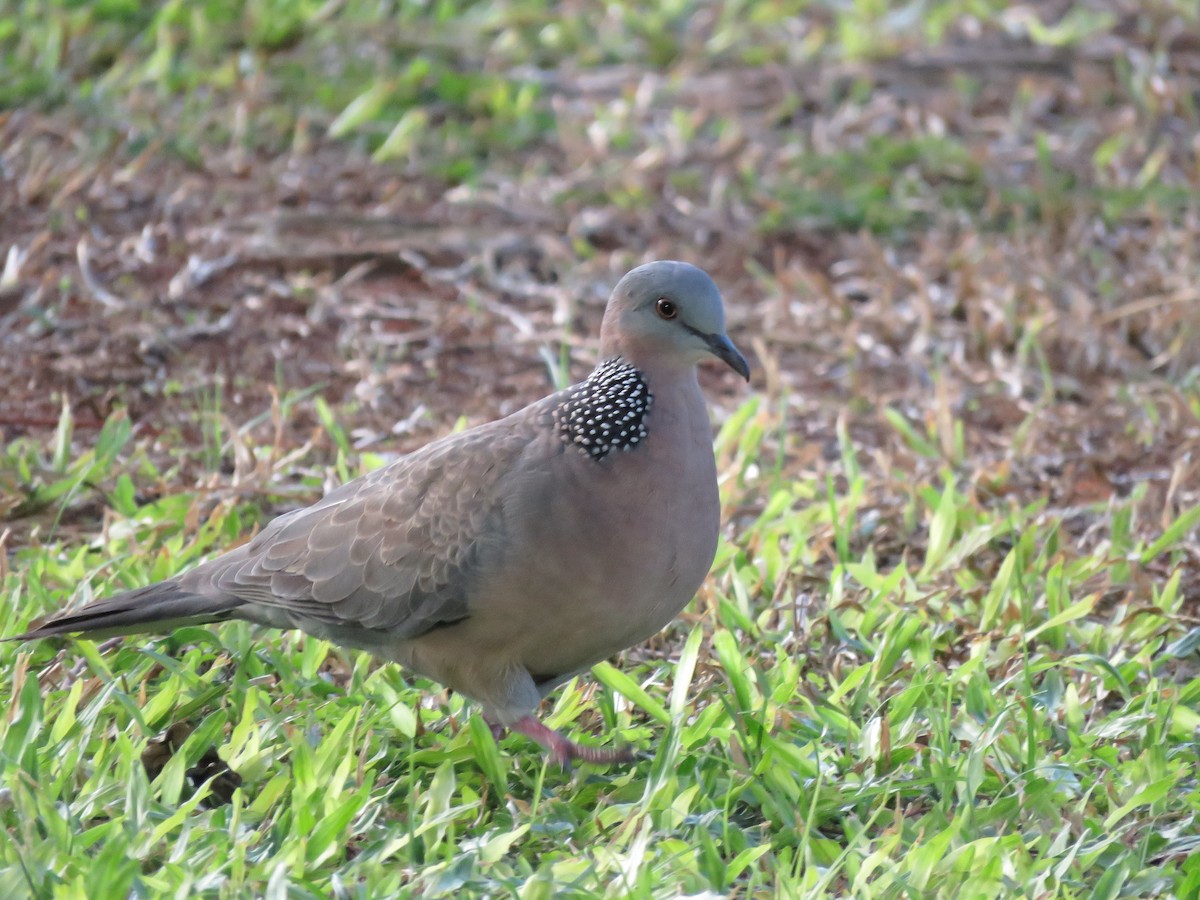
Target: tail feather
159 607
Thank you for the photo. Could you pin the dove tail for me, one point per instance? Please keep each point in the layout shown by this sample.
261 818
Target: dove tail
159 607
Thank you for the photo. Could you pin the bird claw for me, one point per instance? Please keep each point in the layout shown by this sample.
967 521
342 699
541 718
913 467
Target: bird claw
565 751
496 728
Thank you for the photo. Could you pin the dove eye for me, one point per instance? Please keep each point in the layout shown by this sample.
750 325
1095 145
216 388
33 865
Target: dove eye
665 308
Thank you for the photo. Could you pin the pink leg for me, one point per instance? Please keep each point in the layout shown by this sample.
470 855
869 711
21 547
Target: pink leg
565 751
497 729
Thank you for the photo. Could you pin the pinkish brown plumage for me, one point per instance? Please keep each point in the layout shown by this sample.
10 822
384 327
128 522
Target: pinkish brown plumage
501 560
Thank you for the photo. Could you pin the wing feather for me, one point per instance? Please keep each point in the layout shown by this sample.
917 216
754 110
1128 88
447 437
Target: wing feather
396 550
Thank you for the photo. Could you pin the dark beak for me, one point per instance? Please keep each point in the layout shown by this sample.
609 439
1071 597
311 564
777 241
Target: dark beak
723 349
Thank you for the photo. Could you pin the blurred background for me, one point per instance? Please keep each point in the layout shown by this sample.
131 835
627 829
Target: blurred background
250 247
979 215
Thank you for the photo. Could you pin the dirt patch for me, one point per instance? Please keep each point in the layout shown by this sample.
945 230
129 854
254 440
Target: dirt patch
1040 343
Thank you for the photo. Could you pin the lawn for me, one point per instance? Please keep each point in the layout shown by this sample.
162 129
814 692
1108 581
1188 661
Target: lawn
950 646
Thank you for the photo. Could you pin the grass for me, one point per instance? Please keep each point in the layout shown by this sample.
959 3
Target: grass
949 645
983 718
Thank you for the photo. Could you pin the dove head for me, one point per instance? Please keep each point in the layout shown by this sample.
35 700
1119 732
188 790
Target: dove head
668 314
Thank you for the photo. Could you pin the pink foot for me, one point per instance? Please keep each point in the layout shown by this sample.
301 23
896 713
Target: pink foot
496 728
565 751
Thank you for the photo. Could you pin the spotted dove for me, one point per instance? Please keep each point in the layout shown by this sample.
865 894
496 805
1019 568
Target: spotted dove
502 560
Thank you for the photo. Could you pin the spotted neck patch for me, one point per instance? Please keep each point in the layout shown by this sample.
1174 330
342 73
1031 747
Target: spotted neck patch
606 412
